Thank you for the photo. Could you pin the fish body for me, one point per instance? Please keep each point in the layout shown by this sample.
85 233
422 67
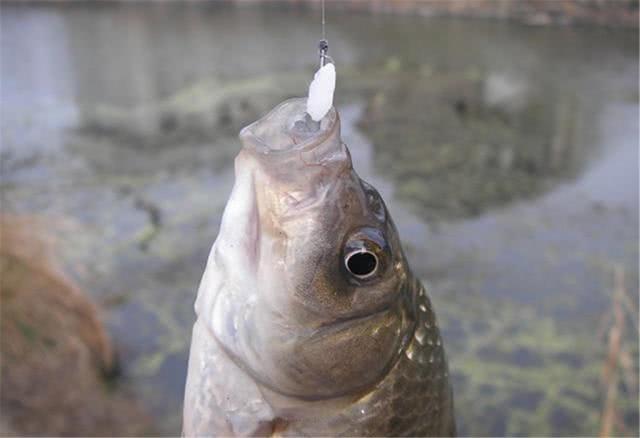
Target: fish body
310 321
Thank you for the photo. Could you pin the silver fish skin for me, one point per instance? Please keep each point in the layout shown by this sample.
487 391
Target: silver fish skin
309 320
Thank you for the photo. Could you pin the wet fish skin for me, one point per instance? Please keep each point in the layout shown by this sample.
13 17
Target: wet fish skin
288 340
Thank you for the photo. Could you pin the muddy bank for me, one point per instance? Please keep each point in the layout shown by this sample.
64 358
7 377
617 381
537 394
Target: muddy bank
59 373
623 13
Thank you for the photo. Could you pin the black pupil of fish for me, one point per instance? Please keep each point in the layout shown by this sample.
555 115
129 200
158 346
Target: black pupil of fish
362 263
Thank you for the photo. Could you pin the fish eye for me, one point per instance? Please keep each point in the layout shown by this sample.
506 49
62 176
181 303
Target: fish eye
361 264
365 255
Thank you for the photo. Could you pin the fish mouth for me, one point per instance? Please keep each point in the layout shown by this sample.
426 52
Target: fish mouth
296 162
288 128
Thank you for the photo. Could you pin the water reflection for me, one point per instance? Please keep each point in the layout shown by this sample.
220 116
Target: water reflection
458 146
507 154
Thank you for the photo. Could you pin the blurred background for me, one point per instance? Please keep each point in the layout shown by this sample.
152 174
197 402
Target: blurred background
502 134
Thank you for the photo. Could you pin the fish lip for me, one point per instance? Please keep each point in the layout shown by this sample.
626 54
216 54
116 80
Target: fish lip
256 142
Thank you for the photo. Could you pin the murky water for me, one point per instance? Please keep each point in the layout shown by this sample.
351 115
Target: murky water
508 156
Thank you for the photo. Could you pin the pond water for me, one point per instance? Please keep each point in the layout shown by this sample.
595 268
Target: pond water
507 154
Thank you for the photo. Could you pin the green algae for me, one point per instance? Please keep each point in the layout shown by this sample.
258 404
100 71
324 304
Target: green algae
529 392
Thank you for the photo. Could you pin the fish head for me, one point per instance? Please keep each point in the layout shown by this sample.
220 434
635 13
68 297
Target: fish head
307 287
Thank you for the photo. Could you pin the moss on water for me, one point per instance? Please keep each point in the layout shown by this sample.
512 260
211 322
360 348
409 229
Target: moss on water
511 374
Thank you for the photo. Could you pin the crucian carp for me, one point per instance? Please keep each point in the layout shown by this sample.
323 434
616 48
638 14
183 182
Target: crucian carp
309 320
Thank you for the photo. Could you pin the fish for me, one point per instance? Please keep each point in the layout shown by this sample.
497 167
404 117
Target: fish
309 319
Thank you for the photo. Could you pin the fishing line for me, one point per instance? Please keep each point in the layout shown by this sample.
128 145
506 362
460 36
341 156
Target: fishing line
324 37
323 47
